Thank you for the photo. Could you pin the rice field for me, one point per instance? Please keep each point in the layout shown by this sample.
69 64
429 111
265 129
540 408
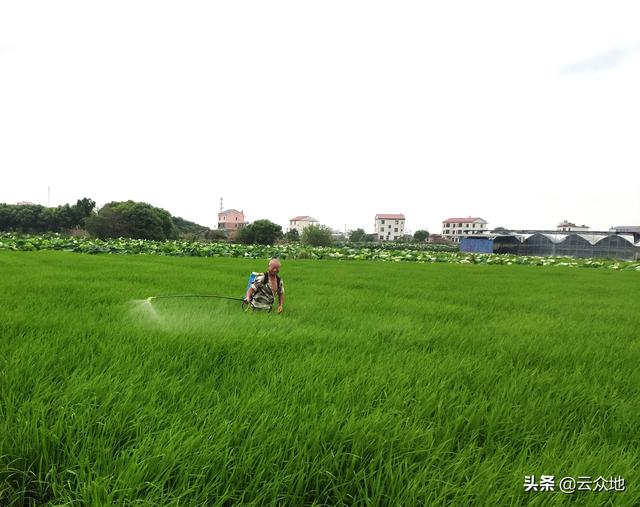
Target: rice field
380 384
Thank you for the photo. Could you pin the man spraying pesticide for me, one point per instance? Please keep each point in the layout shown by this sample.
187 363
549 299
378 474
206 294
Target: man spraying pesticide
264 287
260 293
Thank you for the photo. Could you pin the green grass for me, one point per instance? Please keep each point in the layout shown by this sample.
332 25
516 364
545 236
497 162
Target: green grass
381 384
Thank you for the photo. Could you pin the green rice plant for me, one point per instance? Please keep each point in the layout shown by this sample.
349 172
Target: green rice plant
382 383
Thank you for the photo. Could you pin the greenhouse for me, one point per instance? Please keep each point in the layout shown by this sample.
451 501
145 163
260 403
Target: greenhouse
620 246
540 244
582 245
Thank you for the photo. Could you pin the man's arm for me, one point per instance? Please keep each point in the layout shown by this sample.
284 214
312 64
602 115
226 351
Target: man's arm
280 301
249 293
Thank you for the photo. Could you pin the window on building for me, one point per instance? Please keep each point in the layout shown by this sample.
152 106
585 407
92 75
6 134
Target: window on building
396 222
395 229
382 221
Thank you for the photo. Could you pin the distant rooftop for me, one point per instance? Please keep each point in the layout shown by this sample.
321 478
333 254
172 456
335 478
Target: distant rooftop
627 228
230 211
467 220
303 218
383 216
571 224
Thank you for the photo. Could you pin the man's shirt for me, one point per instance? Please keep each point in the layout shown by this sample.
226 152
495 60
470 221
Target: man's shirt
263 296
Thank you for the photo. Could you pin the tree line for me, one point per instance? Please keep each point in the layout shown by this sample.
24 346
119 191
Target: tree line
115 219
34 218
266 232
140 220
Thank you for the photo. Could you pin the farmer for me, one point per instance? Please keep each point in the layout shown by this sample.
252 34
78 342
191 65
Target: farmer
262 292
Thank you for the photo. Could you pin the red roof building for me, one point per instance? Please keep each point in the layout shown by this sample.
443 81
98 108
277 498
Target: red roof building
300 223
381 216
468 220
389 226
303 218
230 221
454 229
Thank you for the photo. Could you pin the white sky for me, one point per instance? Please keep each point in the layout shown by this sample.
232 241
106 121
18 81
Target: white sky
524 114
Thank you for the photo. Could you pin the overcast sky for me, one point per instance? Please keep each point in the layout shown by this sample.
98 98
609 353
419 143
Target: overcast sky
524 114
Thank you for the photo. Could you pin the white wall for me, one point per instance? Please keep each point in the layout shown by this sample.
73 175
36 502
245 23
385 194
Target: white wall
387 230
454 232
300 225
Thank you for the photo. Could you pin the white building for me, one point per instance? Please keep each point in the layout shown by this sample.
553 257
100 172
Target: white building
389 227
570 227
634 229
454 229
338 235
301 222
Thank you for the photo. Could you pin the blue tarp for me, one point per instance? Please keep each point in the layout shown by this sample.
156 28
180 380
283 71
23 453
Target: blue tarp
476 245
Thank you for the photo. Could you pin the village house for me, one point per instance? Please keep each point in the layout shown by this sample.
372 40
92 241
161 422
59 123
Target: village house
230 221
566 226
301 222
454 229
389 227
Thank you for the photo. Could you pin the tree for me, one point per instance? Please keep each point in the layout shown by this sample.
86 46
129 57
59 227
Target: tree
106 223
262 232
36 218
357 236
25 217
266 232
187 229
421 236
292 236
66 217
245 235
48 220
317 235
82 209
6 217
131 219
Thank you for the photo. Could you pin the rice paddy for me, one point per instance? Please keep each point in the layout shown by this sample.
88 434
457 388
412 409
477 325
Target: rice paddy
380 384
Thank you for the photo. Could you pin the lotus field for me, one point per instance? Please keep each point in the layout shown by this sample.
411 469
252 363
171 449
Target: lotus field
448 380
408 252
